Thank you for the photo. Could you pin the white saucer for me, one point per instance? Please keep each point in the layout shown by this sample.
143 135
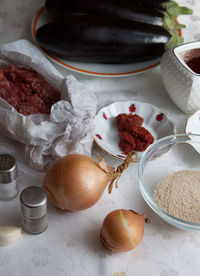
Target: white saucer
106 132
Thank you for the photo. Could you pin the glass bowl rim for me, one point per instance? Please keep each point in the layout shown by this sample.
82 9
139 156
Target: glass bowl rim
159 211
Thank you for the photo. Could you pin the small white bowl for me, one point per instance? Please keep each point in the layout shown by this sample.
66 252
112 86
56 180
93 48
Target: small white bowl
182 156
181 82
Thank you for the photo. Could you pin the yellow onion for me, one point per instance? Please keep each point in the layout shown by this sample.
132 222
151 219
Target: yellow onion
76 182
123 230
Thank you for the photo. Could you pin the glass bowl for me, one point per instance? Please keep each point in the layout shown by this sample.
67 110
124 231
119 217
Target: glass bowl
163 157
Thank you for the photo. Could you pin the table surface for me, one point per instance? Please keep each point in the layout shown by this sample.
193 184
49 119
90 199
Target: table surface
70 245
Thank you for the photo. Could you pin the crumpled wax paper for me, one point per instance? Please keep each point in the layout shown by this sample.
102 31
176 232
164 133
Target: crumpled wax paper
44 138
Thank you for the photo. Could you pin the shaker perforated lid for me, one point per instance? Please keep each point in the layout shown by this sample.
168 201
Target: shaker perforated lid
8 168
33 202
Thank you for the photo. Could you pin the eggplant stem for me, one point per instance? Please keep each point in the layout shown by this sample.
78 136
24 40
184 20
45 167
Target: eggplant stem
174 9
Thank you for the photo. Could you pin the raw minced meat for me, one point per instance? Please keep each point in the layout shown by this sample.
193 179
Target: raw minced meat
27 90
34 104
39 85
9 92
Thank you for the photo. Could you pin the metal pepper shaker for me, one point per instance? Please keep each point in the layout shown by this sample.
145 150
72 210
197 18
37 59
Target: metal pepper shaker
8 177
34 209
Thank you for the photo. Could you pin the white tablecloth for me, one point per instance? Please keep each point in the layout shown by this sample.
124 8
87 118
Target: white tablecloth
70 246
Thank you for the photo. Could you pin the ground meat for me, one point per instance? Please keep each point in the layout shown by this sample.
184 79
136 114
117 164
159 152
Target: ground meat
132 135
39 85
27 90
8 91
34 104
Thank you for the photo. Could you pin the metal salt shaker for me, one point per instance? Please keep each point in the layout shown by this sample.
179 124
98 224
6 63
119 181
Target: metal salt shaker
8 177
34 209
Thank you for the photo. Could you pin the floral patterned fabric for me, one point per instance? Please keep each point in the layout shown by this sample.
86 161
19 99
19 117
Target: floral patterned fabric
71 245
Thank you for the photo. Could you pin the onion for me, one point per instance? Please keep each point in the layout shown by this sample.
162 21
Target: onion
76 182
123 230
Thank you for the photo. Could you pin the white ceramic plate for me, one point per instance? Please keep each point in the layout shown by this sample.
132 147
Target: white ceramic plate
106 133
101 70
193 127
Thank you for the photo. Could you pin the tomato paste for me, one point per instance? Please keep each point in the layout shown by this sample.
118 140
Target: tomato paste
132 135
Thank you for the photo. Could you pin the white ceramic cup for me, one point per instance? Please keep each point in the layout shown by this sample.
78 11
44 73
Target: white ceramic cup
181 82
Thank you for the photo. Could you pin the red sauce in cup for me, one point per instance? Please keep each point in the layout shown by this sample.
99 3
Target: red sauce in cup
194 64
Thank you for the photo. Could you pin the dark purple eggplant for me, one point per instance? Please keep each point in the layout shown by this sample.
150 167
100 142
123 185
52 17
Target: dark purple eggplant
150 3
102 39
63 6
124 9
157 12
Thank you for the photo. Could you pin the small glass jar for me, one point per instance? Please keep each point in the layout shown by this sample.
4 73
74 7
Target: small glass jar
34 209
8 177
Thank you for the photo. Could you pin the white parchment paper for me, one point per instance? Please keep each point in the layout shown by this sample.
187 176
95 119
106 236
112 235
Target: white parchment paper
68 129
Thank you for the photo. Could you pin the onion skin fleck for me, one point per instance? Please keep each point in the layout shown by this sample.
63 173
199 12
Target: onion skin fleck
123 230
64 185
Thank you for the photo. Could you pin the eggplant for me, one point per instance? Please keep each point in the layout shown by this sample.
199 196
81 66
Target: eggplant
63 6
124 9
150 3
102 39
146 11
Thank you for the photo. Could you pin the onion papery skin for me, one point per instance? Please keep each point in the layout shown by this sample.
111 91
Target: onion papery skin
75 182
122 230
